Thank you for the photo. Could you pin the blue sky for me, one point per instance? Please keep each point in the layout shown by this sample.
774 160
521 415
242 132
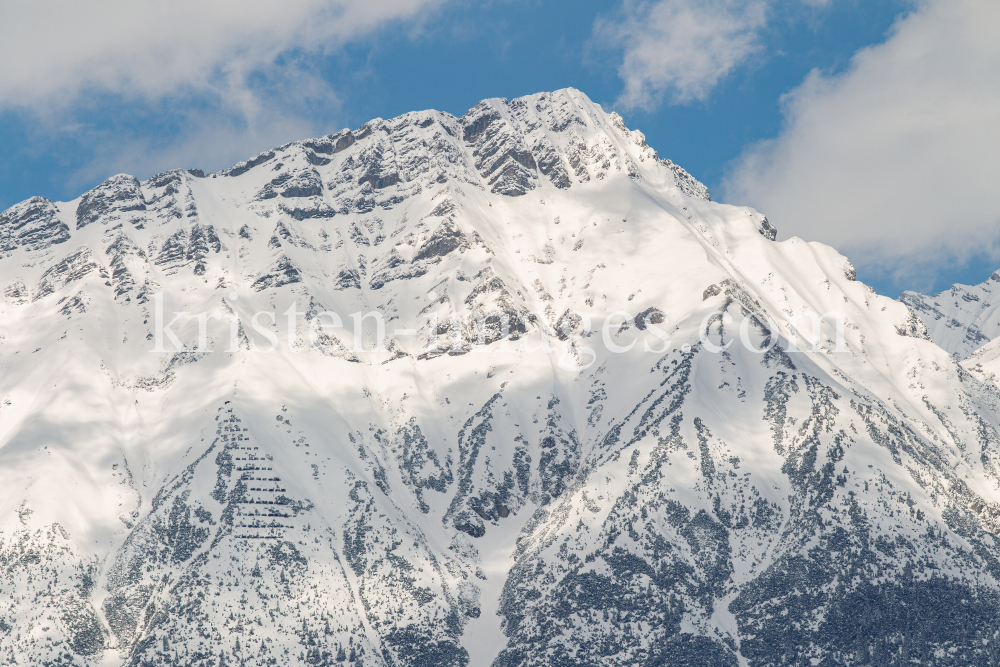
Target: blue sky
792 106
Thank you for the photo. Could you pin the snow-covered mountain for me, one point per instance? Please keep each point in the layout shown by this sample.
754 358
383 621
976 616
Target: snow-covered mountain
964 318
581 491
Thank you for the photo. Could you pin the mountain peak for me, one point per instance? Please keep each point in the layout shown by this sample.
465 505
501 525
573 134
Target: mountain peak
960 319
506 388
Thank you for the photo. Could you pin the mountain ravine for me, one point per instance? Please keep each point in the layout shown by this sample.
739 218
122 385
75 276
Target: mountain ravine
506 481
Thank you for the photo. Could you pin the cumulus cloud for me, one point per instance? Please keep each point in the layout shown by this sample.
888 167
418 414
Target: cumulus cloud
681 47
894 161
145 86
54 51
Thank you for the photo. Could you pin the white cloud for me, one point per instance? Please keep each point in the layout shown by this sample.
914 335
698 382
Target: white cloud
681 47
894 161
185 83
54 51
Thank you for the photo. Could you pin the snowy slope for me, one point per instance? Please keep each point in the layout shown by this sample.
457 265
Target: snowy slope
682 503
962 319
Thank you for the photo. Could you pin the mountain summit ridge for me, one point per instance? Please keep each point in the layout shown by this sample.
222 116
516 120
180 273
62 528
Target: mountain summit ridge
607 421
961 319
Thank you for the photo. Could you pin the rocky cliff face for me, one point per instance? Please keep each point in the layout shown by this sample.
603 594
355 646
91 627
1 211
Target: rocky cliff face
512 479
